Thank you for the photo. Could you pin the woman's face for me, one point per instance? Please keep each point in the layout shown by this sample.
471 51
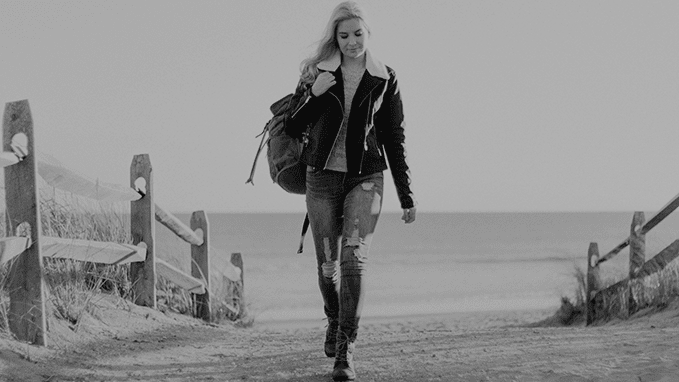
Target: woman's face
351 37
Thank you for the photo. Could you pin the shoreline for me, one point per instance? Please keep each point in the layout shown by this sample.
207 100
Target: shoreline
467 320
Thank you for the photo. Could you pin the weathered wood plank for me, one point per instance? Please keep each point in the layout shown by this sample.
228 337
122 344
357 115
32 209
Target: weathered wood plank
175 225
226 268
92 251
659 261
11 247
660 215
58 176
142 215
612 301
8 159
180 278
200 264
614 251
26 283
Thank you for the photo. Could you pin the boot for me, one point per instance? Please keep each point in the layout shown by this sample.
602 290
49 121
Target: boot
344 356
331 337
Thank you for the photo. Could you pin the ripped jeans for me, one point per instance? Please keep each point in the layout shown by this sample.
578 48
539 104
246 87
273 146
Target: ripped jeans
343 212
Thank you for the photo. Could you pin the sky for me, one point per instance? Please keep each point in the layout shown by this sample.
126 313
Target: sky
510 105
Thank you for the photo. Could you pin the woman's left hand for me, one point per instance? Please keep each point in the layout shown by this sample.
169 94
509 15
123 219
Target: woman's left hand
409 215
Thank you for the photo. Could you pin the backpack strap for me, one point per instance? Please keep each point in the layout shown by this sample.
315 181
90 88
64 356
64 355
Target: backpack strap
262 143
305 227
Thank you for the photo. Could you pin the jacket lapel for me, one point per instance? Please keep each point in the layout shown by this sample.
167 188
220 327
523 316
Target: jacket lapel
376 73
365 87
338 89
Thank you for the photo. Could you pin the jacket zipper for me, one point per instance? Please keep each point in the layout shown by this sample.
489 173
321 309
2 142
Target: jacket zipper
365 137
365 141
327 159
301 107
369 93
370 126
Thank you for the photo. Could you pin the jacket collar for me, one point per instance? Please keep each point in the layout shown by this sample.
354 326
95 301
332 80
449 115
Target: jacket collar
374 66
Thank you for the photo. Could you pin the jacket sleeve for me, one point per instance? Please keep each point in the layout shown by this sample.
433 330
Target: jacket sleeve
303 111
390 125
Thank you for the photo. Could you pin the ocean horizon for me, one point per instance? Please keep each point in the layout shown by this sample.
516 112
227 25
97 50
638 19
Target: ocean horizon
444 263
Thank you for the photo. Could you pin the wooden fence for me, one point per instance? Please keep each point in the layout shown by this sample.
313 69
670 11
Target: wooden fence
26 246
625 297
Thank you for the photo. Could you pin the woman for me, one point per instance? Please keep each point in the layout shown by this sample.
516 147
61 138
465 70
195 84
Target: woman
349 117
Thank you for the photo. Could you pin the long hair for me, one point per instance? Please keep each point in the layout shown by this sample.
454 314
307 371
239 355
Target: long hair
327 46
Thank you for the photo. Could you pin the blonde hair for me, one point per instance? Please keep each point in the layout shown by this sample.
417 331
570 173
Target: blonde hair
327 46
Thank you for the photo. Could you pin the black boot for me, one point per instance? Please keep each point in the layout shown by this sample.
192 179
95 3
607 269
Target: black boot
344 356
331 337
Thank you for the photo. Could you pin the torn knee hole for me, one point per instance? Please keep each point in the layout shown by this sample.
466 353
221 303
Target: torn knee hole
329 269
357 248
367 186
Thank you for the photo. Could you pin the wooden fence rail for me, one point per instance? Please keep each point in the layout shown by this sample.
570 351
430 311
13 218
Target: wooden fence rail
624 296
25 247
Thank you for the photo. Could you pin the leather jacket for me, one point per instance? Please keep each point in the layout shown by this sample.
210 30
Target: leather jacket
375 128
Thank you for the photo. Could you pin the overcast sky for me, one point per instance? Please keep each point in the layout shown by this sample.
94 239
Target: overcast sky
510 105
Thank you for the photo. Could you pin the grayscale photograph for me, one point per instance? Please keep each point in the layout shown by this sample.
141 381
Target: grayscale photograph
328 190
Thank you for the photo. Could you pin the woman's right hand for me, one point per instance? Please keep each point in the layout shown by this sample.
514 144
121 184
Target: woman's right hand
324 81
409 215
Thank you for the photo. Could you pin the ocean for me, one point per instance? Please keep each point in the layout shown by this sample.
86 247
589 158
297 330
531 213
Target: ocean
442 263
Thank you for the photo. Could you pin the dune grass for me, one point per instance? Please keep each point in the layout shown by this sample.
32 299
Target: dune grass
4 303
72 286
659 289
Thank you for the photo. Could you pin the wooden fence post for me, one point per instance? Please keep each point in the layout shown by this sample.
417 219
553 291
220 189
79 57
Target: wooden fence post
25 279
142 215
237 260
637 256
593 281
200 265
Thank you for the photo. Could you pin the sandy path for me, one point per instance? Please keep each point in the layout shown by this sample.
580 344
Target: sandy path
425 349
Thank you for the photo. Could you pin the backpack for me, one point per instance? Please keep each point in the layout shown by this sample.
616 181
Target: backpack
283 151
283 154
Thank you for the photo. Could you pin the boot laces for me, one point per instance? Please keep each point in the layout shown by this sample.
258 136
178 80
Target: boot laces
344 347
331 328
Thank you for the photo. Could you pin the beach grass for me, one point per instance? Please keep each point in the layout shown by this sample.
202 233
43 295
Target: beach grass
652 293
72 286
4 303
659 289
